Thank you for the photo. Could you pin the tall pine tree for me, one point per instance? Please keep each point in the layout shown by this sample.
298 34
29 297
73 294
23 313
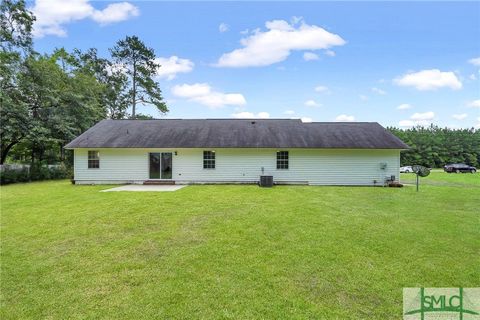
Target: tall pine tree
138 62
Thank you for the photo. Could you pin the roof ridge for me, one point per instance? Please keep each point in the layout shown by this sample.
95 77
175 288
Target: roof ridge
236 133
343 122
239 119
250 119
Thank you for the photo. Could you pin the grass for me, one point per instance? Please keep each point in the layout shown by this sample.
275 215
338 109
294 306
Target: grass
439 178
233 252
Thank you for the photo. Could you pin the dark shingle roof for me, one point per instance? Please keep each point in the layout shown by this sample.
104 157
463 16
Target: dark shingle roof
235 133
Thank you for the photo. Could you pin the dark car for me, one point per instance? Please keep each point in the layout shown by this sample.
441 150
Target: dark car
459 167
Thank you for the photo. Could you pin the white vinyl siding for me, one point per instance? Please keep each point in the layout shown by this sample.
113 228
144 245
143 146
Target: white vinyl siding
312 166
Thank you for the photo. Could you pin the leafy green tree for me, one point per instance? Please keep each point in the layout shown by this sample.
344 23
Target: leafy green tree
47 100
434 146
16 24
61 101
15 44
141 116
138 62
14 120
115 82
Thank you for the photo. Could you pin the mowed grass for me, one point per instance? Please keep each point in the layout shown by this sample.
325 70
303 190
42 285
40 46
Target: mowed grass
233 252
438 177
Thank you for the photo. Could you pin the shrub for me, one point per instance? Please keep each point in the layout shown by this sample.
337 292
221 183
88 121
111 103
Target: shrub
36 173
14 175
39 172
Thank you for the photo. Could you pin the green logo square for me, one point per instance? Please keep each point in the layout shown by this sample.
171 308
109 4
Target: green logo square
441 303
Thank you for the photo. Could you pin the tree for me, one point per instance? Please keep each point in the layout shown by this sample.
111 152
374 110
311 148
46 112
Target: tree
47 100
63 101
138 62
14 123
114 81
434 146
141 116
16 24
15 45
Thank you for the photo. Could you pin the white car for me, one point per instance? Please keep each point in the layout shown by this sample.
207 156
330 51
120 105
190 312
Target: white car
406 169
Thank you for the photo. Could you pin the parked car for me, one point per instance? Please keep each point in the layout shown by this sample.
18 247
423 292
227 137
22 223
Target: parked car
406 169
459 167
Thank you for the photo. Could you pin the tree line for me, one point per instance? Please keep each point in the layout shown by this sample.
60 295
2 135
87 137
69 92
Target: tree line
435 147
46 100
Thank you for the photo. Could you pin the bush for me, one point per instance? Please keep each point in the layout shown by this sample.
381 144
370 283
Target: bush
14 175
61 172
36 173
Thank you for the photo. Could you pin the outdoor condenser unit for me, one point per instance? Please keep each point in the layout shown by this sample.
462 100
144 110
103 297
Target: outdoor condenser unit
266 181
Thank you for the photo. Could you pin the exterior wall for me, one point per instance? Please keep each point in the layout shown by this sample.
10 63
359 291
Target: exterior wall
312 166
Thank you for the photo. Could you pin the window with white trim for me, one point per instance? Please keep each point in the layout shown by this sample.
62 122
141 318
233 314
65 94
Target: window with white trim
93 159
208 159
282 159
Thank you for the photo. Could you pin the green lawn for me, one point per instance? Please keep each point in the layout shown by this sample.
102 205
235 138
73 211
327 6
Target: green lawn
234 252
439 178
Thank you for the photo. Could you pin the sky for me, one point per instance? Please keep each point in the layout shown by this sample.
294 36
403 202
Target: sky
399 64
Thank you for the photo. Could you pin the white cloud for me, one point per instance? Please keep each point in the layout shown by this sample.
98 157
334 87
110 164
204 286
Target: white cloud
460 116
52 15
250 115
378 91
363 97
345 118
263 48
190 91
169 67
322 89
478 124
312 104
202 93
473 76
309 56
417 116
422 119
475 61
429 80
404 106
223 27
115 12
306 119
329 53
289 112
474 104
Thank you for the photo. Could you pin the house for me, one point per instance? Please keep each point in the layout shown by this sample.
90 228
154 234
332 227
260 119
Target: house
187 151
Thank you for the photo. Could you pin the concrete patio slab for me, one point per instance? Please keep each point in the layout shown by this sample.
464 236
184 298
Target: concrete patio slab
140 187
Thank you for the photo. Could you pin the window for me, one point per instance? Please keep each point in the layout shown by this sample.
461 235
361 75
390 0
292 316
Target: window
282 159
208 159
93 159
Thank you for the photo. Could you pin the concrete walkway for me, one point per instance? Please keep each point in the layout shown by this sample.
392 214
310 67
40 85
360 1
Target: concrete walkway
141 187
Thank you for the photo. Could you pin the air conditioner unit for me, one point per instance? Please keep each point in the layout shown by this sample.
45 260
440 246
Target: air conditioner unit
266 181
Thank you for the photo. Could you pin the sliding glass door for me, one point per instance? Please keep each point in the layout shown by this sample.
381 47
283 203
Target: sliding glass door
166 165
160 165
154 166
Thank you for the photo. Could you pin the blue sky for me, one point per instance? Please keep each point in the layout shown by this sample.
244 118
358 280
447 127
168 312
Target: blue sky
400 64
